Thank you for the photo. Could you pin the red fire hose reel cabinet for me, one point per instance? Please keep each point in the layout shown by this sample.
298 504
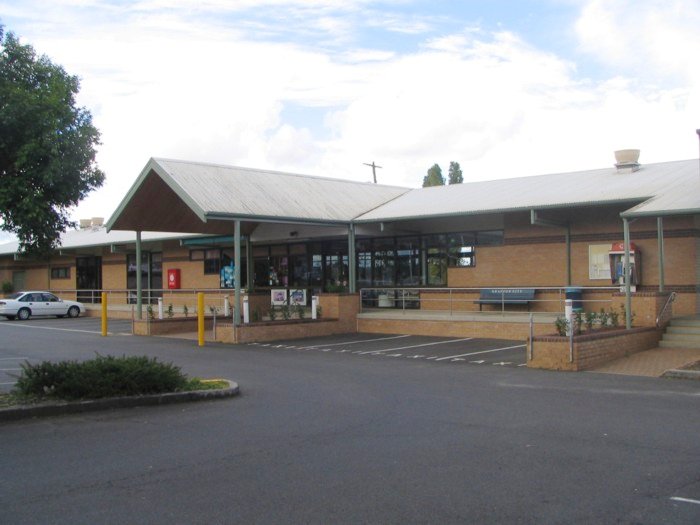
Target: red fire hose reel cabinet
174 279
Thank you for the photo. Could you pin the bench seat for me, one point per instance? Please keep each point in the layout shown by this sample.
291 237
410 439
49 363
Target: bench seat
506 296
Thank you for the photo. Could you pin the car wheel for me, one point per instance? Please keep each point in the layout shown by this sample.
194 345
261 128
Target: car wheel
73 311
23 314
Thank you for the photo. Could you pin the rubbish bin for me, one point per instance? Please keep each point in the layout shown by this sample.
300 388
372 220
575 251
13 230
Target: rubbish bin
576 295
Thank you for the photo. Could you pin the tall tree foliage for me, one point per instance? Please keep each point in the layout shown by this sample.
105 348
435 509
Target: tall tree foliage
454 175
47 147
434 177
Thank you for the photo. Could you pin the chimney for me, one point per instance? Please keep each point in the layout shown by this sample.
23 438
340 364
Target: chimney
97 222
627 160
85 223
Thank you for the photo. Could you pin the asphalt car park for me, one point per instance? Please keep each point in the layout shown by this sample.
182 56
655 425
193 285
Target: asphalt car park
443 350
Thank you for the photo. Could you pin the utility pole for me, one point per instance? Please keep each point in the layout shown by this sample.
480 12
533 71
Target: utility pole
374 170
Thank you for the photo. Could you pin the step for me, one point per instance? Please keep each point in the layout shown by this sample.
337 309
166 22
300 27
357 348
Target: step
683 330
677 344
682 337
685 321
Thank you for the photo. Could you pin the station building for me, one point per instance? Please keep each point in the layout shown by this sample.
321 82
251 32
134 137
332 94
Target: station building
231 230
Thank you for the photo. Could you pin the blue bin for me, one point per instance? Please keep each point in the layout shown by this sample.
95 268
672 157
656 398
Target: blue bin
576 295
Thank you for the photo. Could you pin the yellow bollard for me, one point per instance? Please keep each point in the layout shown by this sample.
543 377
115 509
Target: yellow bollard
200 318
104 314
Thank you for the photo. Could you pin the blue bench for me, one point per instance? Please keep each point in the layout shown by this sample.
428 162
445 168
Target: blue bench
506 296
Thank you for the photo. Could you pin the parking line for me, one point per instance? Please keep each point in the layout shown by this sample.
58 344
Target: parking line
57 329
415 346
481 352
356 342
686 500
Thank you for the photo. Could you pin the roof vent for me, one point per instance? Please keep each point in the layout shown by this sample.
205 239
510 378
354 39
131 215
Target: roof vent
97 221
627 160
85 223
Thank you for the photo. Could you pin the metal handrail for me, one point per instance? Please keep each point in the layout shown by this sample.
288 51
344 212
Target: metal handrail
670 299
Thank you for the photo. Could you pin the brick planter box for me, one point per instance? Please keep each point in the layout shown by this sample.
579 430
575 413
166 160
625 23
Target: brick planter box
589 350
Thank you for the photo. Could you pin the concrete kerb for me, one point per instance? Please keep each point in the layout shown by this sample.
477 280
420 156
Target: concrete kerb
74 407
682 374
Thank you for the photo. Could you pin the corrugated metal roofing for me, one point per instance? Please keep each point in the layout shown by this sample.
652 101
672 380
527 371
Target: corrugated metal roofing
98 236
243 192
664 188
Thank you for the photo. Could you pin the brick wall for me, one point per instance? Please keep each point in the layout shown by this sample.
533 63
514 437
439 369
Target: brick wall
590 350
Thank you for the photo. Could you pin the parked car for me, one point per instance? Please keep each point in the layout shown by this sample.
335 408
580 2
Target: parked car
23 305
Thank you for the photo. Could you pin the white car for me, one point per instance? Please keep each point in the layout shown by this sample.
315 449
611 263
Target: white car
23 305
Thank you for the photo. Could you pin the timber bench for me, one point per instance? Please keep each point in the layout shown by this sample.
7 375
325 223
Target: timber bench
506 296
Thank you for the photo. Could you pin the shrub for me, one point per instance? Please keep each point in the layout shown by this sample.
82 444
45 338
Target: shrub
301 312
171 311
7 287
590 319
185 311
603 318
272 313
100 377
561 324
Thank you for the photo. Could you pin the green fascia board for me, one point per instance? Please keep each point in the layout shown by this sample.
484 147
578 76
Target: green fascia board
208 241
153 165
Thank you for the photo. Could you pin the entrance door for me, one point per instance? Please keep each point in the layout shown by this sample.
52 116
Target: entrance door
88 276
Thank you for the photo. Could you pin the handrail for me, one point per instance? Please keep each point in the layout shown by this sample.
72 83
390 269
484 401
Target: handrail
670 299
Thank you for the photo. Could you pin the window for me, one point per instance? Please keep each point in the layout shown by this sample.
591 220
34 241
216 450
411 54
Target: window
212 261
196 255
60 272
461 252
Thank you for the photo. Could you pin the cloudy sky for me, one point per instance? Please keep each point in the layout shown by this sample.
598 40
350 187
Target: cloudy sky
504 87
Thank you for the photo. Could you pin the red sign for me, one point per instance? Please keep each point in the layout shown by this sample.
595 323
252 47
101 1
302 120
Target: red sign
620 247
174 279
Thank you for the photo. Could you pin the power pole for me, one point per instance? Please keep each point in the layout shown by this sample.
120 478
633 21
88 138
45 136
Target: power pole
374 170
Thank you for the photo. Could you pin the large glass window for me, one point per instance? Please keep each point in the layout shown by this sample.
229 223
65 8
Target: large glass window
384 262
151 275
88 277
408 261
363 249
461 251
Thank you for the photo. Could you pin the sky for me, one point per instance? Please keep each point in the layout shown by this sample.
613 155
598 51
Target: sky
506 88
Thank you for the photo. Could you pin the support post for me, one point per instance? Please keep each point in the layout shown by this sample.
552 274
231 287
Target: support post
660 235
352 260
628 275
568 254
139 280
200 318
250 265
237 274
104 314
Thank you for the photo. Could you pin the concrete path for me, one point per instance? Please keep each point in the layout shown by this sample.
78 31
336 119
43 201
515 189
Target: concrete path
651 363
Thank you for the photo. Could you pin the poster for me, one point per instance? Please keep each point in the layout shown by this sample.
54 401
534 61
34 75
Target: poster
226 277
297 297
599 262
278 297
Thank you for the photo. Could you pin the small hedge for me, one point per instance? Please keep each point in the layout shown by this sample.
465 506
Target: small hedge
100 377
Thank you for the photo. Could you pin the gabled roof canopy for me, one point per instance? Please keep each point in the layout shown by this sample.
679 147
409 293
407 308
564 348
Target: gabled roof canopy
182 196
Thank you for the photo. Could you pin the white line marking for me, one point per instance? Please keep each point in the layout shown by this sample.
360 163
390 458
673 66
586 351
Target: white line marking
480 362
9 369
7 383
431 357
56 329
416 346
356 342
12 358
482 352
686 500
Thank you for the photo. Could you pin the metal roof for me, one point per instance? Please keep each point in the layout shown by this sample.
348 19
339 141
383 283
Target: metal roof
655 189
98 236
213 192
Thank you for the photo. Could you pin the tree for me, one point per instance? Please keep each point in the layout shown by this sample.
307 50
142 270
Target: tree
47 147
434 177
455 173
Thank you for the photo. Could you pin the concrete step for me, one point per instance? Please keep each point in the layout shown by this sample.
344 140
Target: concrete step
677 344
683 330
681 337
686 322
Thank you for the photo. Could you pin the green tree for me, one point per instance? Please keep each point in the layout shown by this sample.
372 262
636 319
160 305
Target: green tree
434 177
47 147
454 174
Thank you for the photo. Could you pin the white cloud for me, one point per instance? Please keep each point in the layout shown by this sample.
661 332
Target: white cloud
164 82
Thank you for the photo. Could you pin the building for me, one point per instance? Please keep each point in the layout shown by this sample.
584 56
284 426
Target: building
293 232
